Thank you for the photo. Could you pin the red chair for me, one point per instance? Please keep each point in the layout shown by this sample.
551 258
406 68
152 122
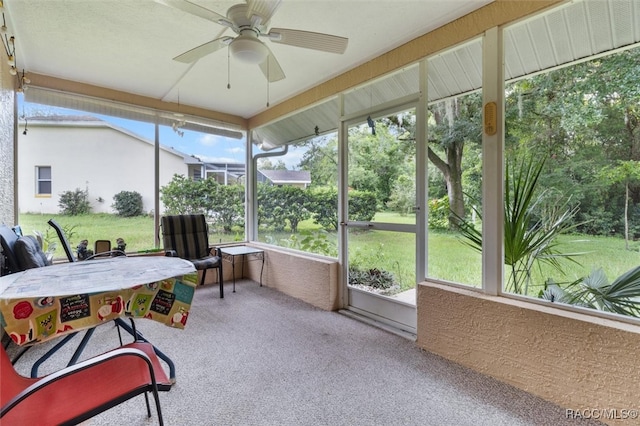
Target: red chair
81 391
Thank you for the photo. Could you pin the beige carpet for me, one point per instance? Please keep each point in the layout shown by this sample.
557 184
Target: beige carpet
258 357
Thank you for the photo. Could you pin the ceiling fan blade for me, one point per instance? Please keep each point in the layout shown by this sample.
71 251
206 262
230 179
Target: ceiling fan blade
271 68
310 40
262 8
203 50
193 9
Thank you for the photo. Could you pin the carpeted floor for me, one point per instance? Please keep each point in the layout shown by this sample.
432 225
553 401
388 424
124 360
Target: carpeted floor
258 357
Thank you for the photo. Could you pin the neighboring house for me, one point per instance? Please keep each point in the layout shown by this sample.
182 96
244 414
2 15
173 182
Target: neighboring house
299 178
235 173
225 173
63 153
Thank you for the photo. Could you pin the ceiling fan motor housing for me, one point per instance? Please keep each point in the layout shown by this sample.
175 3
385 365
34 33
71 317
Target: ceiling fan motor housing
247 48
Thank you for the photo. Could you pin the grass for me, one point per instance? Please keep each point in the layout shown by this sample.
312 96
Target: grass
448 258
136 231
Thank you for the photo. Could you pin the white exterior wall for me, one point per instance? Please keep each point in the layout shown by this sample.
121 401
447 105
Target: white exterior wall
99 158
7 123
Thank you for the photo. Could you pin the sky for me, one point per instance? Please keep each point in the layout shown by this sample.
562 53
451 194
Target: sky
207 147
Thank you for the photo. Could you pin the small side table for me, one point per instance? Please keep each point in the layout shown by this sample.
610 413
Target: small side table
230 253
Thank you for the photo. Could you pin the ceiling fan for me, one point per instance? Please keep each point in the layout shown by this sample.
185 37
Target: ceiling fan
250 21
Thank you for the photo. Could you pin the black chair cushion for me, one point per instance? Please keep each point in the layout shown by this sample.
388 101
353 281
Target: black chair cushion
28 253
205 262
8 240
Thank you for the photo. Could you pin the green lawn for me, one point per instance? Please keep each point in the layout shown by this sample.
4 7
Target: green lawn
448 258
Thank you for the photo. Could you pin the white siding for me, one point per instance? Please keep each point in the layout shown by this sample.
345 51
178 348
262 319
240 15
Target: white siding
99 158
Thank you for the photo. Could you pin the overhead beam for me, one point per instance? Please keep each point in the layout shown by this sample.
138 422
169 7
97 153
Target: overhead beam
67 86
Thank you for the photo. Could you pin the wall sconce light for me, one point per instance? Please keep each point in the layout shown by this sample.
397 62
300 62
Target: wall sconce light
23 81
9 44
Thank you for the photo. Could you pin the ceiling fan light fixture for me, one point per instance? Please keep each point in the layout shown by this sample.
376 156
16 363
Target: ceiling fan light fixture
247 48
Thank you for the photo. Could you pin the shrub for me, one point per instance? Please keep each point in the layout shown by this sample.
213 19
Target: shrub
127 203
439 213
372 277
324 206
222 203
73 203
281 204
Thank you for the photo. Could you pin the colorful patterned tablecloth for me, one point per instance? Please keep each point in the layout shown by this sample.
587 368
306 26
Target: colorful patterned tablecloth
42 303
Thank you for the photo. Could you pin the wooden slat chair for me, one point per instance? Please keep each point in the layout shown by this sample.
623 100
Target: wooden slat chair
187 236
81 391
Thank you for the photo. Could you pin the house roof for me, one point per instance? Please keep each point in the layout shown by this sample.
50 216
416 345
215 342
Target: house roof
91 121
287 176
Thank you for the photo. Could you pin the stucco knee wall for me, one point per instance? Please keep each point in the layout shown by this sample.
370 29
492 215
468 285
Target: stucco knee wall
311 278
574 360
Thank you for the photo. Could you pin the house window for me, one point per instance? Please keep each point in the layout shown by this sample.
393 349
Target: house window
43 180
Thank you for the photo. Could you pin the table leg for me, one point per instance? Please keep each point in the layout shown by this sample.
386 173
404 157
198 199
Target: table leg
46 356
233 265
81 346
138 337
261 269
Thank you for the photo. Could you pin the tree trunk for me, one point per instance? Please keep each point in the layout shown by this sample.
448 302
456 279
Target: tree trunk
626 216
452 167
452 171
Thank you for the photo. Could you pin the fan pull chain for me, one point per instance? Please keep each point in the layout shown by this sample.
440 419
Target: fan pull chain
228 69
268 79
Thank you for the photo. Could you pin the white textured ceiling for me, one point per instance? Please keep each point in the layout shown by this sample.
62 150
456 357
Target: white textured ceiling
128 45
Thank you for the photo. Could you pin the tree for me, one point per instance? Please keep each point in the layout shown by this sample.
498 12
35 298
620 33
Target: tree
266 164
321 160
454 123
625 172
403 195
582 119
376 161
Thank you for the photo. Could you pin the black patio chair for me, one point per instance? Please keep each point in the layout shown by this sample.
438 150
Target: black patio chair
187 236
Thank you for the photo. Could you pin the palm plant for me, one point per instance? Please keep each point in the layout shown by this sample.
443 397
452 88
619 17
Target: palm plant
622 296
530 238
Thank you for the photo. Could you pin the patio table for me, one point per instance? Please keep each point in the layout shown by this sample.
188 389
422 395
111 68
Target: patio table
230 253
41 304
